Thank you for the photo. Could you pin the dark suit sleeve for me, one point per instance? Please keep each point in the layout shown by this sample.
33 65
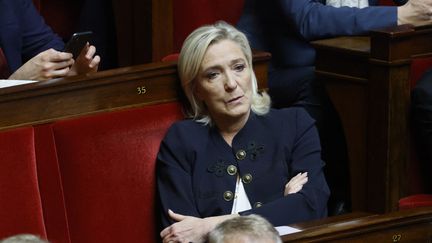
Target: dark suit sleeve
314 20
36 35
311 201
174 179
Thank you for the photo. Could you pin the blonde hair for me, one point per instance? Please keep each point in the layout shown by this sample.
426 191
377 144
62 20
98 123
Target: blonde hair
192 55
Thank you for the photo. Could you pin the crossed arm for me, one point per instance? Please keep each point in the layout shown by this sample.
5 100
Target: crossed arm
194 229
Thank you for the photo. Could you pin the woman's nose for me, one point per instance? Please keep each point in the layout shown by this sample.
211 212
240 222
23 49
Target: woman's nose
230 82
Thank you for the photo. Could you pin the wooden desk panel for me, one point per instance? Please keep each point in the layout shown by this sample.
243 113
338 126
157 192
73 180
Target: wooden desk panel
404 226
368 81
121 88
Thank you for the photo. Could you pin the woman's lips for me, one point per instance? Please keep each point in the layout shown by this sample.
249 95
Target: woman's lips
235 99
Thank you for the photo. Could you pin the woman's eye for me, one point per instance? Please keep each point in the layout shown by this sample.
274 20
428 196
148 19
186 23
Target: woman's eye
212 75
239 67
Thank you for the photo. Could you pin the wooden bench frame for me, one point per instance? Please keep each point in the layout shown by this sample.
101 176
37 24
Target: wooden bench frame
368 81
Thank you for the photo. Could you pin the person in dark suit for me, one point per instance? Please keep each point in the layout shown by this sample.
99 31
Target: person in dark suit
421 107
236 156
31 48
285 28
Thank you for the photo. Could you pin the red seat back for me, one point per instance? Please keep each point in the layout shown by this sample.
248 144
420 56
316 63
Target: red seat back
20 203
191 14
107 167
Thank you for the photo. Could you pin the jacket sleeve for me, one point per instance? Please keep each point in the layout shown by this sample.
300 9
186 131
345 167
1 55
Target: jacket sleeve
36 35
174 178
314 20
311 201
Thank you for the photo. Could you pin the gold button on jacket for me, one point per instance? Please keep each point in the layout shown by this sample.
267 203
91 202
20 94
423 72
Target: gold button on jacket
241 154
232 170
258 204
228 196
247 178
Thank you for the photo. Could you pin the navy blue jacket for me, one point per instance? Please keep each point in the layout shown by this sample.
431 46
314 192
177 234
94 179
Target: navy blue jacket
197 169
285 28
23 32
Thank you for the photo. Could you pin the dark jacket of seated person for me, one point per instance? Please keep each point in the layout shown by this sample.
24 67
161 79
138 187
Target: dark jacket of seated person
236 156
285 28
23 32
421 108
32 50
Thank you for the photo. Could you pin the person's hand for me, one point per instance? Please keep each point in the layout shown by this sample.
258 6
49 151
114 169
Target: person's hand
190 229
86 62
415 12
46 65
296 183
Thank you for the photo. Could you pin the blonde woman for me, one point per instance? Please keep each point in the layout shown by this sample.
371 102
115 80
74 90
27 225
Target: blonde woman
235 156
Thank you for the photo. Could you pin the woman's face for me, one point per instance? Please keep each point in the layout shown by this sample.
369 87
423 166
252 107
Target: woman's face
224 82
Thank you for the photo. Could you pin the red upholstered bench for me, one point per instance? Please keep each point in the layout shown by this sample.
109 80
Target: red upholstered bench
88 179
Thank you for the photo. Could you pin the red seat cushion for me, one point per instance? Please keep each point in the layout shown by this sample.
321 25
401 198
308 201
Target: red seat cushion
414 201
107 165
171 57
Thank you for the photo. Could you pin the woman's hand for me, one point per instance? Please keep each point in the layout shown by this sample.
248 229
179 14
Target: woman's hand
46 65
190 229
296 183
86 62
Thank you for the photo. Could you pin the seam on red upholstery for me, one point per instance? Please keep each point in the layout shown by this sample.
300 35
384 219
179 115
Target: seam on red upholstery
20 205
50 185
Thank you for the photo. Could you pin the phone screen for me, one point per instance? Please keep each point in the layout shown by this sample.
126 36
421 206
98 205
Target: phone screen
77 43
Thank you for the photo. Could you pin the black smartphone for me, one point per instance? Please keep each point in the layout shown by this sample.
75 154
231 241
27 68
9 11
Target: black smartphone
77 43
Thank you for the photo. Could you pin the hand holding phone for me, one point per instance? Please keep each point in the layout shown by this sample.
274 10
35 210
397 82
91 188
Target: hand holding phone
77 42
